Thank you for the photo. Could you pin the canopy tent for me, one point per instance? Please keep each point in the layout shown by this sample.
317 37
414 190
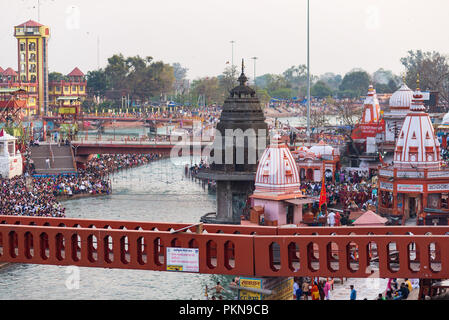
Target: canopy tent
369 218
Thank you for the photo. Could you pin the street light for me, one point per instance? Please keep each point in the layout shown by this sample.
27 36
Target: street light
254 58
232 56
308 75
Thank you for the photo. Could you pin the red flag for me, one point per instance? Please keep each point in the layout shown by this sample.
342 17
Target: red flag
322 194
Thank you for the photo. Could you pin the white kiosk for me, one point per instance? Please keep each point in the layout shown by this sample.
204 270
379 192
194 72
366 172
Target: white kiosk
10 160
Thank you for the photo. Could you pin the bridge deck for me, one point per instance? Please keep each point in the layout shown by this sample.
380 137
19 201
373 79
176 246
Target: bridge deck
227 249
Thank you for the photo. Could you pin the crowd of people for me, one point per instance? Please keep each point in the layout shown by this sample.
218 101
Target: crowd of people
26 196
305 289
38 196
398 292
103 165
349 191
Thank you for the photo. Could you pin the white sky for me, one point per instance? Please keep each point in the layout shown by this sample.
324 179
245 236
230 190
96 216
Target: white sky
367 34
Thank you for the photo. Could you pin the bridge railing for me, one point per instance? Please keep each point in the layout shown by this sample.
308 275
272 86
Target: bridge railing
133 225
124 249
413 252
390 256
223 228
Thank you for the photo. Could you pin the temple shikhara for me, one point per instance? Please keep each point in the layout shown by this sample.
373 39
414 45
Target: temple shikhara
399 103
415 185
364 143
277 198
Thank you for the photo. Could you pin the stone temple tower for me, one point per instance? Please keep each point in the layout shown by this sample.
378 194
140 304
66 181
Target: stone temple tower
240 139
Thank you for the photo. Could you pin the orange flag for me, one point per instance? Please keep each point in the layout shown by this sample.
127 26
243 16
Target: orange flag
322 194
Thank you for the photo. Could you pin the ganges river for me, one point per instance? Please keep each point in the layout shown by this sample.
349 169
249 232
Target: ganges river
158 191
155 192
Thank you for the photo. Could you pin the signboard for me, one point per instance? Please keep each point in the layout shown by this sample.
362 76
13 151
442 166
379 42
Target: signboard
438 174
183 259
67 110
386 186
410 187
282 288
250 283
386 173
438 187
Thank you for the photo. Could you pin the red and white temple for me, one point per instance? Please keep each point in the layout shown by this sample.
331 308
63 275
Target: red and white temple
399 103
277 198
311 161
364 148
371 119
415 184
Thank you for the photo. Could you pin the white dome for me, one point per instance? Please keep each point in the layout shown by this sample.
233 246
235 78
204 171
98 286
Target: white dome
322 149
402 98
277 171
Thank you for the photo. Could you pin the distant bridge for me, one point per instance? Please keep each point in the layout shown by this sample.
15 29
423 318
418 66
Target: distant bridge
88 147
124 119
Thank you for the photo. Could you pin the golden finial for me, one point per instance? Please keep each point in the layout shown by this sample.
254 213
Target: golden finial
417 83
403 79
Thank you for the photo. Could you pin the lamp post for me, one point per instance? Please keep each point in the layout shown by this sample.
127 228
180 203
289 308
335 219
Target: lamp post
254 58
232 57
308 75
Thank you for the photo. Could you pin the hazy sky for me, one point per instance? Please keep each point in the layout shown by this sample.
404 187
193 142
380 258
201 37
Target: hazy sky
367 34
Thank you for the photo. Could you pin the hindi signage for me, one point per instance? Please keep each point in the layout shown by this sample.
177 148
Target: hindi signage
410 187
386 186
183 259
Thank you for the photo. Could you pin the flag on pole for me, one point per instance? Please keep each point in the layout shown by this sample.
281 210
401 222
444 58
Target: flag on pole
323 192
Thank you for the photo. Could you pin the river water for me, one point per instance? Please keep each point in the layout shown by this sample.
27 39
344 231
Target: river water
155 192
158 191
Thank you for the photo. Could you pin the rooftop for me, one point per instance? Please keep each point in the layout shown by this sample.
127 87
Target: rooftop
30 23
76 73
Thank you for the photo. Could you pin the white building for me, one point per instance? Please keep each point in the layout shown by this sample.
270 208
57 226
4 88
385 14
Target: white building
10 160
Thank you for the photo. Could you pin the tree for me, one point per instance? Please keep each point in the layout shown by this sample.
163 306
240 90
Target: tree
331 80
348 113
318 119
384 81
263 96
320 90
282 93
228 79
355 83
56 76
433 70
97 82
117 70
209 88
296 77
180 74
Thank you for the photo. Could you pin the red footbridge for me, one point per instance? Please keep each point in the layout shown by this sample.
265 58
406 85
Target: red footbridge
352 252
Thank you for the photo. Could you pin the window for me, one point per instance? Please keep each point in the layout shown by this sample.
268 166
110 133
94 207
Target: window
33 57
73 88
58 88
33 78
23 78
81 88
22 68
32 68
32 46
66 88
22 57
22 46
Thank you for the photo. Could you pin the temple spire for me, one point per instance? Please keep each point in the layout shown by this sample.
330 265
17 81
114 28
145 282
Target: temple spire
242 79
